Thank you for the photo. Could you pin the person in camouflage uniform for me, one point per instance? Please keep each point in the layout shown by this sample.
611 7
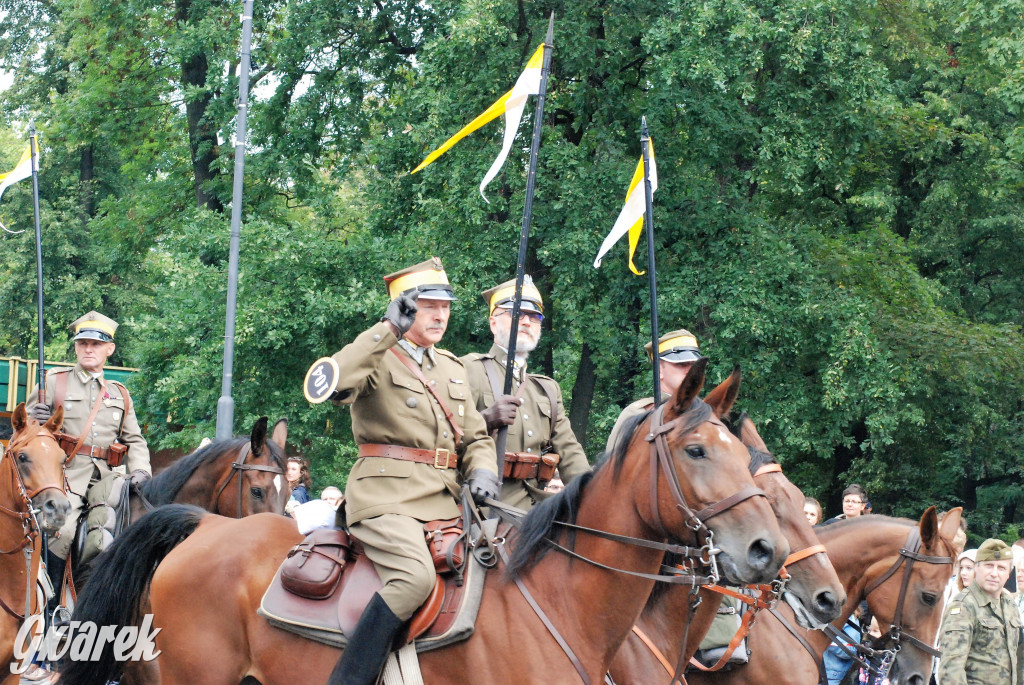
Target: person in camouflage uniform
539 434
981 631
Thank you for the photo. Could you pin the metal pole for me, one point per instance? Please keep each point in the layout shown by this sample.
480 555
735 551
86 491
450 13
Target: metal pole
645 145
524 237
34 147
226 403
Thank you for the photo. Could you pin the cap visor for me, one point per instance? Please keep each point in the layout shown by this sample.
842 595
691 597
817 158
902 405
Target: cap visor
428 293
93 335
681 356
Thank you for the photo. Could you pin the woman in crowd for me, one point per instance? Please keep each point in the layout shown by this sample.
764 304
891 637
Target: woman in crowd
812 510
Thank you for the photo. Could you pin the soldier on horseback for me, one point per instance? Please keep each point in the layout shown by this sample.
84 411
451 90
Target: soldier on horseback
677 351
418 431
539 435
99 416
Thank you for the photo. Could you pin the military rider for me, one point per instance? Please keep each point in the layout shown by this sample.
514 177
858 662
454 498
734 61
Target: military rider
418 431
677 351
100 415
539 435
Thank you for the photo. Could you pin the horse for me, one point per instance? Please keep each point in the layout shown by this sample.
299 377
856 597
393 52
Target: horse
669 632
253 467
31 480
898 566
623 513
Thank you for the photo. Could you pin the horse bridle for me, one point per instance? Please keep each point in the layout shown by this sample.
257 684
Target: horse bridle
30 525
240 466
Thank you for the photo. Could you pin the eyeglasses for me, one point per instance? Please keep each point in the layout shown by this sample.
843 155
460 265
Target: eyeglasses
535 317
852 501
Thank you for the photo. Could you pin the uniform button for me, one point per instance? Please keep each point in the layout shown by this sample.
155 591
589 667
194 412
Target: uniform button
382 470
411 402
526 417
529 433
376 338
529 449
445 434
430 367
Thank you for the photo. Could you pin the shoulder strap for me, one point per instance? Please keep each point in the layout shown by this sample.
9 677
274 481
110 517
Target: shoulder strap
431 387
60 389
90 420
491 367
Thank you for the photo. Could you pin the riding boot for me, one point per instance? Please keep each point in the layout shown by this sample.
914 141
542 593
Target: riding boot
368 646
55 570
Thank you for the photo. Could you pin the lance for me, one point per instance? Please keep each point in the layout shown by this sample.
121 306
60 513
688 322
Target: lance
645 146
34 148
226 403
524 237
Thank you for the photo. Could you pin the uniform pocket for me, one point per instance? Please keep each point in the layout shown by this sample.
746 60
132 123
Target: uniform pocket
457 391
381 467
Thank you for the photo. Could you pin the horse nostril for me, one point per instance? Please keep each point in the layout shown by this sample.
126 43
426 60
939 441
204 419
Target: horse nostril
827 603
916 679
760 553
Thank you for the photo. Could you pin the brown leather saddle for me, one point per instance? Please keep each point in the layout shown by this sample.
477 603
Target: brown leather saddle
322 588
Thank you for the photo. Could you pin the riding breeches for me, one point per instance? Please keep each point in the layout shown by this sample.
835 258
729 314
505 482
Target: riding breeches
396 546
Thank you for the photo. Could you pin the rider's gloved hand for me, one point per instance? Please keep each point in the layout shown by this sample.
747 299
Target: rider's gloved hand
139 477
482 484
402 312
501 413
40 412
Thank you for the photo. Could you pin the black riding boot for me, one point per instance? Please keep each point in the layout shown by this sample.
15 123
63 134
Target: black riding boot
55 570
368 646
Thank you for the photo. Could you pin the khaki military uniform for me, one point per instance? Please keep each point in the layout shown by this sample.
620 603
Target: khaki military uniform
81 394
634 409
981 640
387 500
532 432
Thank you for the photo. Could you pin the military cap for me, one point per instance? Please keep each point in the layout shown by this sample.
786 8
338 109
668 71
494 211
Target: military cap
428 278
93 326
504 296
677 347
994 550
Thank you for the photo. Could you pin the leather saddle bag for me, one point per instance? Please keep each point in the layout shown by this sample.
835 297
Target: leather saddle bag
314 566
446 541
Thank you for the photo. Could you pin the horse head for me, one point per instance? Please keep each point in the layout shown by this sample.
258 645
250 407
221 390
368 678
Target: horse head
701 483
907 596
37 466
261 471
814 591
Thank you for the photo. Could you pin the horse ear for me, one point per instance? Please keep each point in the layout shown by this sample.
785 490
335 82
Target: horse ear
258 437
56 421
724 396
19 418
929 527
280 434
950 524
688 389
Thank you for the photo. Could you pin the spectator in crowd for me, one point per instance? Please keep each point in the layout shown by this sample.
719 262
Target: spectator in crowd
981 636
299 480
868 509
332 496
963 573
854 499
866 677
812 510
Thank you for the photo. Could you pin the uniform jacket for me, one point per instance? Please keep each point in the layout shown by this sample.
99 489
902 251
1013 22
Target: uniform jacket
391 406
532 427
634 409
78 401
981 640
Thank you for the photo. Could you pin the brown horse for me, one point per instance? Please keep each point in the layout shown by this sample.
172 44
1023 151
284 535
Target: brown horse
205 602
654 651
31 480
879 559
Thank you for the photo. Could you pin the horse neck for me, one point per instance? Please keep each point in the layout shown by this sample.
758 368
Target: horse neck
577 591
209 483
11 528
859 551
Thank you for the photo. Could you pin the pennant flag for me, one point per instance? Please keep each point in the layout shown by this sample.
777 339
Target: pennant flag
631 218
511 104
22 171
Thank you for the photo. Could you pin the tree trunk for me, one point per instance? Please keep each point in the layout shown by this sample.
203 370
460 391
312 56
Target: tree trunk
86 172
582 395
202 134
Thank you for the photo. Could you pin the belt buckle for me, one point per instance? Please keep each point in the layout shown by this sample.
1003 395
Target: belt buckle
437 457
92 452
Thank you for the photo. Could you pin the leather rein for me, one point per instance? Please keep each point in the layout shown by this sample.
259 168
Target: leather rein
24 513
704 554
240 466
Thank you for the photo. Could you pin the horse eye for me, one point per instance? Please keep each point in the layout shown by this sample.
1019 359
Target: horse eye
696 452
257 493
929 598
23 458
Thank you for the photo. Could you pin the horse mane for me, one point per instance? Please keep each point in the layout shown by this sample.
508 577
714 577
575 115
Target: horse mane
163 488
758 458
532 535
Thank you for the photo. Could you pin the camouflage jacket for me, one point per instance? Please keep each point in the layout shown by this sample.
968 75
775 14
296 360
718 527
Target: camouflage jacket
981 640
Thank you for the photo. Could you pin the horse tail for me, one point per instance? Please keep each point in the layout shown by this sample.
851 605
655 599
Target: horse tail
114 593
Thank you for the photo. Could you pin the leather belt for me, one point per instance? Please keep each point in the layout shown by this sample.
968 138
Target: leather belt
440 458
94 451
